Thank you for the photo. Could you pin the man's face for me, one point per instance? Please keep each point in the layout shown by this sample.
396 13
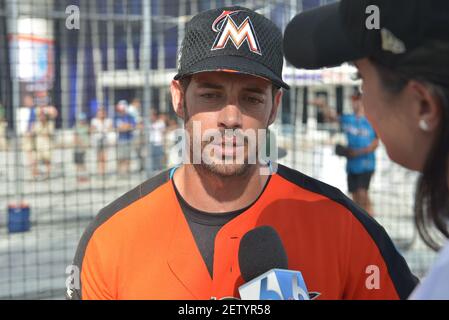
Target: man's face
233 102
121 109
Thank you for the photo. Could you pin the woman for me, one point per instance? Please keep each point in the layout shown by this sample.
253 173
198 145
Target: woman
402 55
101 127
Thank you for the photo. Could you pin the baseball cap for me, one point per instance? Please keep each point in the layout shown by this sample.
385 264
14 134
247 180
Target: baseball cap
232 39
387 30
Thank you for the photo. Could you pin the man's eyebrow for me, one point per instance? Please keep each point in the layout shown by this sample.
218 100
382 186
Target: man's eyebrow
209 85
254 90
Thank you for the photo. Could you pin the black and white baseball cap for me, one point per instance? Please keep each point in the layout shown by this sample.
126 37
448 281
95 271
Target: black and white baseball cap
232 39
387 30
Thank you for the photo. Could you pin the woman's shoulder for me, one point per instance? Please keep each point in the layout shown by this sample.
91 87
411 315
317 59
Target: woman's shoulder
434 286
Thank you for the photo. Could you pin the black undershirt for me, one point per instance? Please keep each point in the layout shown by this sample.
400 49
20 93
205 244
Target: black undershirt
205 225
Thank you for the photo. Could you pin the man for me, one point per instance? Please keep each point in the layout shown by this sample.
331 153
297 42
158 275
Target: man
177 235
26 120
125 125
43 130
362 142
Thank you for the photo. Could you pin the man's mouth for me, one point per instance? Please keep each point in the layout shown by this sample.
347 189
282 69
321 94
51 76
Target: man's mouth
228 148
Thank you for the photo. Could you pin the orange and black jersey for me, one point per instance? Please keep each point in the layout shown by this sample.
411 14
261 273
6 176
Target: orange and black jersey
141 247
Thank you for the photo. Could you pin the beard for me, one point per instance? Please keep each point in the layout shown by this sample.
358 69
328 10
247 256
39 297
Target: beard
223 166
215 160
225 170
219 159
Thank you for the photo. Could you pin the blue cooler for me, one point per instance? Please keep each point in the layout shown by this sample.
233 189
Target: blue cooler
18 218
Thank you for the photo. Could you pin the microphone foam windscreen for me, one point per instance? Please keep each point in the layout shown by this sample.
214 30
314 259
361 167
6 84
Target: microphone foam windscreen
261 250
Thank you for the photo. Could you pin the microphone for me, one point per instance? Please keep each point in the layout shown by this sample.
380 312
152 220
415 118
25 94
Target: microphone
263 265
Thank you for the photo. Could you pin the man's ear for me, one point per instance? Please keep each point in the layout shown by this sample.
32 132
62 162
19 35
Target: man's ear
429 108
276 103
177 98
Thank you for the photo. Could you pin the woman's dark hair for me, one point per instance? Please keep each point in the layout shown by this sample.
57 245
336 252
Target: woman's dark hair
432 192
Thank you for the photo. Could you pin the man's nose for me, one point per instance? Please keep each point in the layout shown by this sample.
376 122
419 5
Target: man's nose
230 116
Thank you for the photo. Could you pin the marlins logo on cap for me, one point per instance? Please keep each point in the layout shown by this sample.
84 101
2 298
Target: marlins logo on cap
225 40
228 30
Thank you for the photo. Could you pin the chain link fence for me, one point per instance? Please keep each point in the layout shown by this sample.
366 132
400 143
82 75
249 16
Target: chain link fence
69 68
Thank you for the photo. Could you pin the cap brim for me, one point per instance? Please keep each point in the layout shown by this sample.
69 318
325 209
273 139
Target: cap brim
234 64
316 39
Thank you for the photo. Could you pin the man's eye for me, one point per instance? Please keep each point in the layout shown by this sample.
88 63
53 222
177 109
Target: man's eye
254 100
210 95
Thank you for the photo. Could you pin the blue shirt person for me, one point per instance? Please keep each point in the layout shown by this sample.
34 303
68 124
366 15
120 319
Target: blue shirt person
360 136
362 142
125 124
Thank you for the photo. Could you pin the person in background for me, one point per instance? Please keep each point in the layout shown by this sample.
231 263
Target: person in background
404 67
135 110
50 111
157 130
360 152
100 128
125 125
26 123
44 129
81 144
